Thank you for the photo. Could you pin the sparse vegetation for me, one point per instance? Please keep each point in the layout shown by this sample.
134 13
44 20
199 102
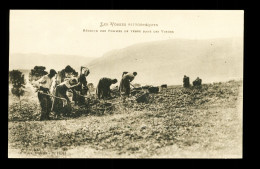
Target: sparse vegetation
193 117
18 82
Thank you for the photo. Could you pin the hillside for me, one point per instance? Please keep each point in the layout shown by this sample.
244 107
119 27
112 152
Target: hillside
169 60
176 123
55 61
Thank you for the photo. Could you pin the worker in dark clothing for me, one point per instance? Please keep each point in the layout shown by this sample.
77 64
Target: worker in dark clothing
197 82
62 104
43 87
125 83
103 88
82 88
186 81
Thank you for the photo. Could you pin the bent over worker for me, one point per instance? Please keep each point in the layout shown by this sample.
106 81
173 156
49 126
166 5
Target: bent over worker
125 82
61 90
197 82
103 87
44 85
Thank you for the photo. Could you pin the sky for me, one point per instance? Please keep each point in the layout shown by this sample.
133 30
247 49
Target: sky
61 31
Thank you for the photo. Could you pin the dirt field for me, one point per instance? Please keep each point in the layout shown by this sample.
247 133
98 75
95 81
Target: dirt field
176 123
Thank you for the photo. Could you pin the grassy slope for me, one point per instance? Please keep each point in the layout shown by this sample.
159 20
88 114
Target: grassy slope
176 123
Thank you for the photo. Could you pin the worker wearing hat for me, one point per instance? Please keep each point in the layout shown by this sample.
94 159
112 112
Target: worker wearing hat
44 84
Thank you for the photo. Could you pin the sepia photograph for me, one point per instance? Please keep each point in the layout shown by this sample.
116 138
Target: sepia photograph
143 84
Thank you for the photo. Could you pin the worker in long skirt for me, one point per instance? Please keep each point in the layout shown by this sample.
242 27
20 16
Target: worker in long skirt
43 87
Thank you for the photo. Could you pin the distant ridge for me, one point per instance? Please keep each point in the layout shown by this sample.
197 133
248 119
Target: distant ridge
168 61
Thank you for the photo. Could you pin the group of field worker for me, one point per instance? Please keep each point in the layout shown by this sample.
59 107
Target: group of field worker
77 85
196 82
68 80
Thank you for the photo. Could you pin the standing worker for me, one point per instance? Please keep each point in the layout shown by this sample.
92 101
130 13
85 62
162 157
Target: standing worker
125 82
82 88
186 81
44 85
103 87
124 73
